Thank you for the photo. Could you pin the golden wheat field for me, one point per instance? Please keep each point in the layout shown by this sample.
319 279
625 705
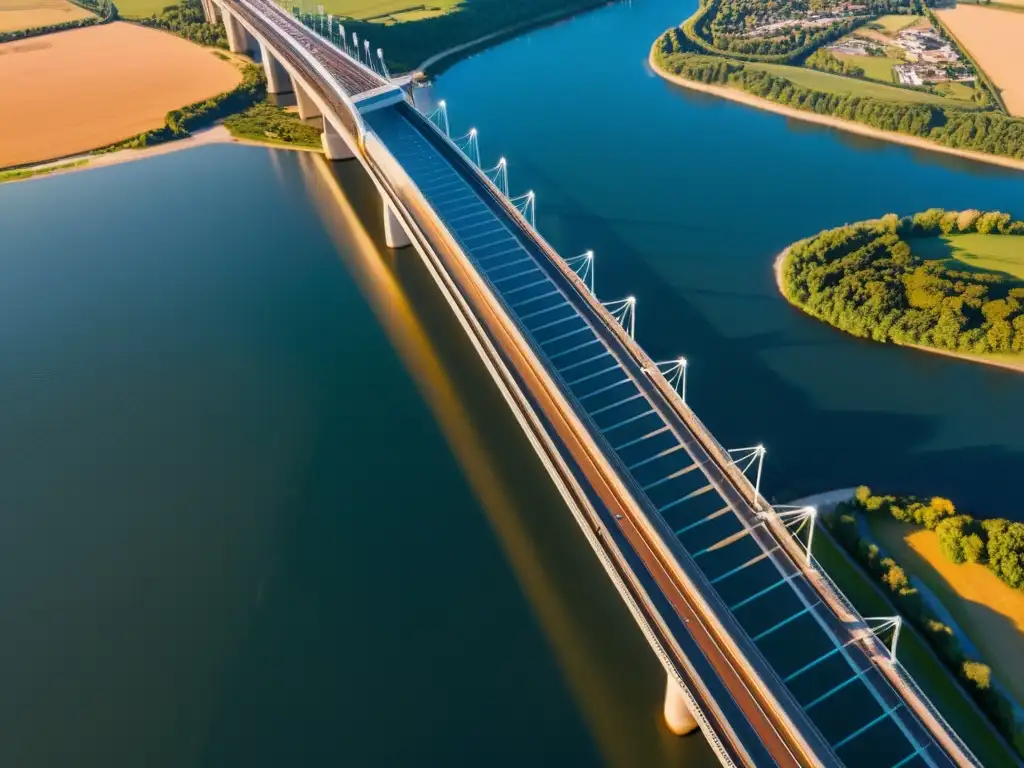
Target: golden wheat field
995 38
78 90
26 14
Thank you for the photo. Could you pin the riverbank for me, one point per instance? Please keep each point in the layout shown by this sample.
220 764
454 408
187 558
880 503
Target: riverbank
463 50
749 100
994 362
218 134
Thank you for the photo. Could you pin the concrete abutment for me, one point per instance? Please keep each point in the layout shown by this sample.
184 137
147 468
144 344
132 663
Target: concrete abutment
307 107
395 235
278 80
336 146
678 717
239 39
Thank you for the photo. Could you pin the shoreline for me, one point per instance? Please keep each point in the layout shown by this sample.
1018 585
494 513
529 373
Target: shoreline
499 36
777 270
85 161
741 97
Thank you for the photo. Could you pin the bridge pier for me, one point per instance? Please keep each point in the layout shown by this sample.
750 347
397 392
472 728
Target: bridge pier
395 235
334 144
307 107
209 12
239 39
278 80
678 717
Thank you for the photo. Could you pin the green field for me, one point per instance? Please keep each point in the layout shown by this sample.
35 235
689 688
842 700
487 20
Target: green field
875 67
140 9
914 654
823 81
995 253
892 23
382 11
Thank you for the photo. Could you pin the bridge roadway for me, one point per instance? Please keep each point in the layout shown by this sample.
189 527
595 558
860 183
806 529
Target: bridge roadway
778 669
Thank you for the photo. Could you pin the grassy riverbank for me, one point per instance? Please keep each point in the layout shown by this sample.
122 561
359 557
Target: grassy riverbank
902 280
916 656
929 117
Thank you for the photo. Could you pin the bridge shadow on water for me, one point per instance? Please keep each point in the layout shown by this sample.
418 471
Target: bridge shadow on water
605 662
739 383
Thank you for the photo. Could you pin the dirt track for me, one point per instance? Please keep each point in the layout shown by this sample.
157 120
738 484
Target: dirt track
75 91
993 37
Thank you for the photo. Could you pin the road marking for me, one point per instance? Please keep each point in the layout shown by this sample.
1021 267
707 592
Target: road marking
585 327
517 274
870 725
640 439
584 362
528 285
580 380
554 323
604 389
782 623
678 473
627 421
705 519
535 298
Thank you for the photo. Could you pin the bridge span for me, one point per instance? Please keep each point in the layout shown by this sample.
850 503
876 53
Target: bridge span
761 650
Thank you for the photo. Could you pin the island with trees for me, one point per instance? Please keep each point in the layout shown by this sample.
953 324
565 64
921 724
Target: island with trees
886 68
949 281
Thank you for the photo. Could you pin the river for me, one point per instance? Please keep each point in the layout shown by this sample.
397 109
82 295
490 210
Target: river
259 505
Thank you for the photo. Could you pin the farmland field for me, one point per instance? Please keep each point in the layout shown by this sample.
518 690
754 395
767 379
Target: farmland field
382 11
90 87
823 81
893 23
140 9
25 14
993 37
988 611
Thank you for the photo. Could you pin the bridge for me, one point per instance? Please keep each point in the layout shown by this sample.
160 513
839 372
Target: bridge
761 650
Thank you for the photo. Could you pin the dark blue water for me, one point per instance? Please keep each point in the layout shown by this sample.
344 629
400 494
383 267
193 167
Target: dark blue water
260 507
686 200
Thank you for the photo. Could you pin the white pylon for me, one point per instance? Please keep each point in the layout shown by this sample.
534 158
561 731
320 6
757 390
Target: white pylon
754 453
439 117
883 623
499 175
796 519
624 312
583 265
675 372
383 64
527 206
469 146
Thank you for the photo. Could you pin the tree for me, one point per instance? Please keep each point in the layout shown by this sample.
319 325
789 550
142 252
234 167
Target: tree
980 675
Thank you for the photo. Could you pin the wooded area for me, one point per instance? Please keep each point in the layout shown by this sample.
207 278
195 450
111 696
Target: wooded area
865 279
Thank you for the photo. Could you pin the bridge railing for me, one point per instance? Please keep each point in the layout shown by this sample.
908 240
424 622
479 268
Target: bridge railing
306 21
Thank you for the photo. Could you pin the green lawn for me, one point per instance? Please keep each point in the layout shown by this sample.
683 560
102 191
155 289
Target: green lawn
933 678
892 23
139 9
875 67
996 253
823 81
381 11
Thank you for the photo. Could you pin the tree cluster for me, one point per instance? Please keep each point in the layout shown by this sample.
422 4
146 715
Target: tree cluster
825 61
994 542
974 675
186 20
267 121
865 279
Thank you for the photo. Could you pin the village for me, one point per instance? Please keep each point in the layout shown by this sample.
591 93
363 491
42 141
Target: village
921 55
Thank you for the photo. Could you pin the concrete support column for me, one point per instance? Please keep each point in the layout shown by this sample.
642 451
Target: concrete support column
677 712
209 12
278 80
395 235
307 107
239 39
335 146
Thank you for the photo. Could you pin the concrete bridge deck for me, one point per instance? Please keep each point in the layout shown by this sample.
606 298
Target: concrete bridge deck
769 658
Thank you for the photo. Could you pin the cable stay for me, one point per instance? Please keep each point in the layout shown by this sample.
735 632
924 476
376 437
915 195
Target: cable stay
748 457
527 206
674 372
881 624
583 266
439 117
383 64
499 176
469 146
624 312
796 520
342 40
